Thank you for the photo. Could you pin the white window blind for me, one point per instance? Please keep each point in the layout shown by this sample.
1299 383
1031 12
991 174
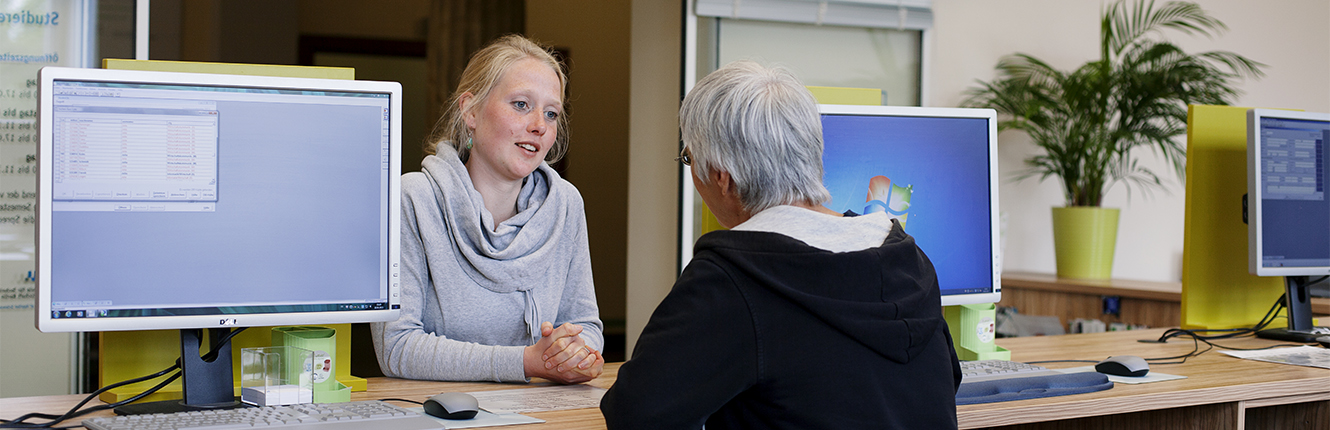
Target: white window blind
896 14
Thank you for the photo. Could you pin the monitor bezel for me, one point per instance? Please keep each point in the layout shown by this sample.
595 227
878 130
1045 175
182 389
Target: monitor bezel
1255 235
43 321
988 115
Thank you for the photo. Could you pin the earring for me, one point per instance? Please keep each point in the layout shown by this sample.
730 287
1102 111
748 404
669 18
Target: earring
468 143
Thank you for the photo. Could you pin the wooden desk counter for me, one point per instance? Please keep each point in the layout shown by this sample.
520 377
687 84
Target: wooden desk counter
379 388
574 419
1220 392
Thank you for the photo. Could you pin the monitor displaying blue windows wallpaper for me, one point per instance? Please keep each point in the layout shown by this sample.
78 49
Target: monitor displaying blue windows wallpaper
933 169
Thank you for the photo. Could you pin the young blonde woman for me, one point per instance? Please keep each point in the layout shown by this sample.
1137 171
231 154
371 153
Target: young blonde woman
496 274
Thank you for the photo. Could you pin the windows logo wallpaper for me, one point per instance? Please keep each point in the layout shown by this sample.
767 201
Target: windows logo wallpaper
930 173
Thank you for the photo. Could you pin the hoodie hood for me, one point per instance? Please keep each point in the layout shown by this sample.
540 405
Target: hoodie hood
890 303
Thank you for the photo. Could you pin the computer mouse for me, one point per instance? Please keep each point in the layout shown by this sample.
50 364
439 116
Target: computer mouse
1123 365
452 406
1324 340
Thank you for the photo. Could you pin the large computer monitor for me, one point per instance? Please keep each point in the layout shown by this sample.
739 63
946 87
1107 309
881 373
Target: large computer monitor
934 169
205 201
1288 212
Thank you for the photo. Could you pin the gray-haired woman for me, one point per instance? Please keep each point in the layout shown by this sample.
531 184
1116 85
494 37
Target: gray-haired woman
797 317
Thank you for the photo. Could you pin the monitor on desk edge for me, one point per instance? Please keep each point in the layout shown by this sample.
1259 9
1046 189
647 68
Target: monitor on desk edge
192 201
1288 209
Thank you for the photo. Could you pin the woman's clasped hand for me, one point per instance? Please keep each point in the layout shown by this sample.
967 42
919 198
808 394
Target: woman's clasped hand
563 356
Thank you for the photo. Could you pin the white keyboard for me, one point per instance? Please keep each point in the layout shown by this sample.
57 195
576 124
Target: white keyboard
987 370
371 414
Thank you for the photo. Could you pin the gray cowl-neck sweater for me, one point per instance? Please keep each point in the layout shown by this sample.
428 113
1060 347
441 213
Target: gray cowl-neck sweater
474 295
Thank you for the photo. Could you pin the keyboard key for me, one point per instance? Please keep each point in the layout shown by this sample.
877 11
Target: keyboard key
340 416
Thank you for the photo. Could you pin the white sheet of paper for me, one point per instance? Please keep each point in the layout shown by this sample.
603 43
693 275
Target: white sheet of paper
482 419
1310 356
541 399
1153 376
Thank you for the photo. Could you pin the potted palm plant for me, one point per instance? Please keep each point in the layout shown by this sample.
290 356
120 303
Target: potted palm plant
1090 121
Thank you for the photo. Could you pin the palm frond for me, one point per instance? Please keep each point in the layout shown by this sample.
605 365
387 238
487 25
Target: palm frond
1242 66
1089 121
1121 27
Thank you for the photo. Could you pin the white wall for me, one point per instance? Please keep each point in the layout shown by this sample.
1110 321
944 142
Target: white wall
33 363
1291 36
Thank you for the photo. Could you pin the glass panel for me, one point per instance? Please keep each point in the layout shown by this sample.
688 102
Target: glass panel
115 30
831 56
707 45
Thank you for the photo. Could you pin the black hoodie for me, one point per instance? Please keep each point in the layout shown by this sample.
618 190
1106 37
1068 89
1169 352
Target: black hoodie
764 331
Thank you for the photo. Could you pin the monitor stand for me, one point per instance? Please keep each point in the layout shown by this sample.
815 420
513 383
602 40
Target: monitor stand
207 385
1297 299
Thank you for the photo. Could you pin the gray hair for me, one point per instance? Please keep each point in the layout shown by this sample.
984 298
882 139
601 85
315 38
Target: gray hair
761 126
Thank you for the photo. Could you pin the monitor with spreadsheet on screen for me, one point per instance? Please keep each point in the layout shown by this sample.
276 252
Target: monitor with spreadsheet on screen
1288 212
935 170
204 201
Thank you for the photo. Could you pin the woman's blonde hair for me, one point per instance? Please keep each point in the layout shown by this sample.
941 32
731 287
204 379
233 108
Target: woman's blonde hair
483 72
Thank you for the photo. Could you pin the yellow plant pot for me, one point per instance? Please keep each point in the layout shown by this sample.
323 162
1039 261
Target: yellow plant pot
1084 239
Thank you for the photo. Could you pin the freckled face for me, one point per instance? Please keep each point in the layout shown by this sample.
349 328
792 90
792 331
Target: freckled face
516 125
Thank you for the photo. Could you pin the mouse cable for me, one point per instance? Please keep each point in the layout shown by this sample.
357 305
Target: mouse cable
1210 344
393 399
75 412
1196 351
1270 316
1208 340
1273 314
7 426
1197 338
1059 361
